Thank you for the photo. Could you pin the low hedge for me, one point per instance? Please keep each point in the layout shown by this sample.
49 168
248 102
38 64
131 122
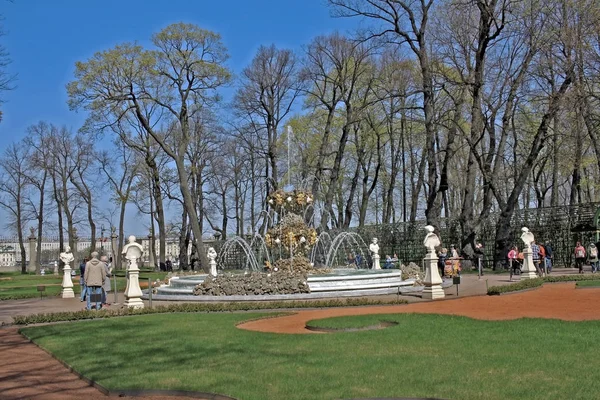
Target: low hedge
195 308
536 282
522 285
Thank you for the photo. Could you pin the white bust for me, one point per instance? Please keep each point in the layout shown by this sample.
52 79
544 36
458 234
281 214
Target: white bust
212 254
132 249
374 247
66 256
527 237
431 239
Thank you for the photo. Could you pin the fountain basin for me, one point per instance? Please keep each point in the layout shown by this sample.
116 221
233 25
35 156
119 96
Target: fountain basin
340 283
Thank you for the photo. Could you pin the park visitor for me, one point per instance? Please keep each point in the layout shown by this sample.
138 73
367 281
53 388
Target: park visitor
593 257
81 280
579 256
479 257
94 279
549 256
535 254
388 262
106 287
512 257
443 254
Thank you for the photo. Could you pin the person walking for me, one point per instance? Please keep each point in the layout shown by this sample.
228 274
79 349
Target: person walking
549 256
442 260
513 264
579 256
593 257
479 258
535 254
94 277
82 280
106 287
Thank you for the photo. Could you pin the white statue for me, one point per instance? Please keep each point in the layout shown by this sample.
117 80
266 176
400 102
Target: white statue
67 284
212 255
374 249
66 256
527 237
432 281
431 239
528 270
133 250
133 293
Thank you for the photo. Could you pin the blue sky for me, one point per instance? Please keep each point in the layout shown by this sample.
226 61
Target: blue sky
46 37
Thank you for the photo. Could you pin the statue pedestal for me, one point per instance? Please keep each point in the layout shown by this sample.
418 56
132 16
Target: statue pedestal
528 271
376 258
433 281
213 267
67 283
133 292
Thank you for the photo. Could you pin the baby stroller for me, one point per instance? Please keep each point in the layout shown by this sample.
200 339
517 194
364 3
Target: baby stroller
515 266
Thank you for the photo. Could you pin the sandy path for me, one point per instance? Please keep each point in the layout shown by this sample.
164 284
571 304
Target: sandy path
555 301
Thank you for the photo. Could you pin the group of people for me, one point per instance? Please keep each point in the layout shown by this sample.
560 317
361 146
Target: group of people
94 279
449 262
590 254
542 255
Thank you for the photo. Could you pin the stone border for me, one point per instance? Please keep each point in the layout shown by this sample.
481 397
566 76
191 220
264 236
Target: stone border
132 393
380 325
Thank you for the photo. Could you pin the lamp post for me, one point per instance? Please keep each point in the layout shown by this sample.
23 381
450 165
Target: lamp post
102 239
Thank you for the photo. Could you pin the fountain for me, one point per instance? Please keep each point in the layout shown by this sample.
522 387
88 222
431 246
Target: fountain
293 247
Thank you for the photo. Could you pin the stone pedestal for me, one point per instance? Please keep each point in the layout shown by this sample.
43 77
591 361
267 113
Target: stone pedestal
67 283
213 267
32 253
433 281
133 292
376 258
528 271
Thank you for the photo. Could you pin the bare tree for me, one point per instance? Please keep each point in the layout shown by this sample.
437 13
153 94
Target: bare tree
268 89
13 187
180 78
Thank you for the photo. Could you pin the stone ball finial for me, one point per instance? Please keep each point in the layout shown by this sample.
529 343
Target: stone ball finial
429 228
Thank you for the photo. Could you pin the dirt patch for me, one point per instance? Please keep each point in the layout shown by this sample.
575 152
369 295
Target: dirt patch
557 301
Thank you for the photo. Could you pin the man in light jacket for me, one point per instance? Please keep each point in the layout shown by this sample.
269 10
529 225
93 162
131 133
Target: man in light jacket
95 274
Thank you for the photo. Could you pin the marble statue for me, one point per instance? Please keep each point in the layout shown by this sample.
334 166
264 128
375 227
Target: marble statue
528 270
32 230
431 239
212 262
432 281
133 293
67 284
374 249
527 237
66 256
133 250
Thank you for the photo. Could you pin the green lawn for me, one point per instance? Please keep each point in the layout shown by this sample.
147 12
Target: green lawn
14 285
423 356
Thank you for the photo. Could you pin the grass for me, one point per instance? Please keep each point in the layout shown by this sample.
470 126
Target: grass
423 356
14 285
588 283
